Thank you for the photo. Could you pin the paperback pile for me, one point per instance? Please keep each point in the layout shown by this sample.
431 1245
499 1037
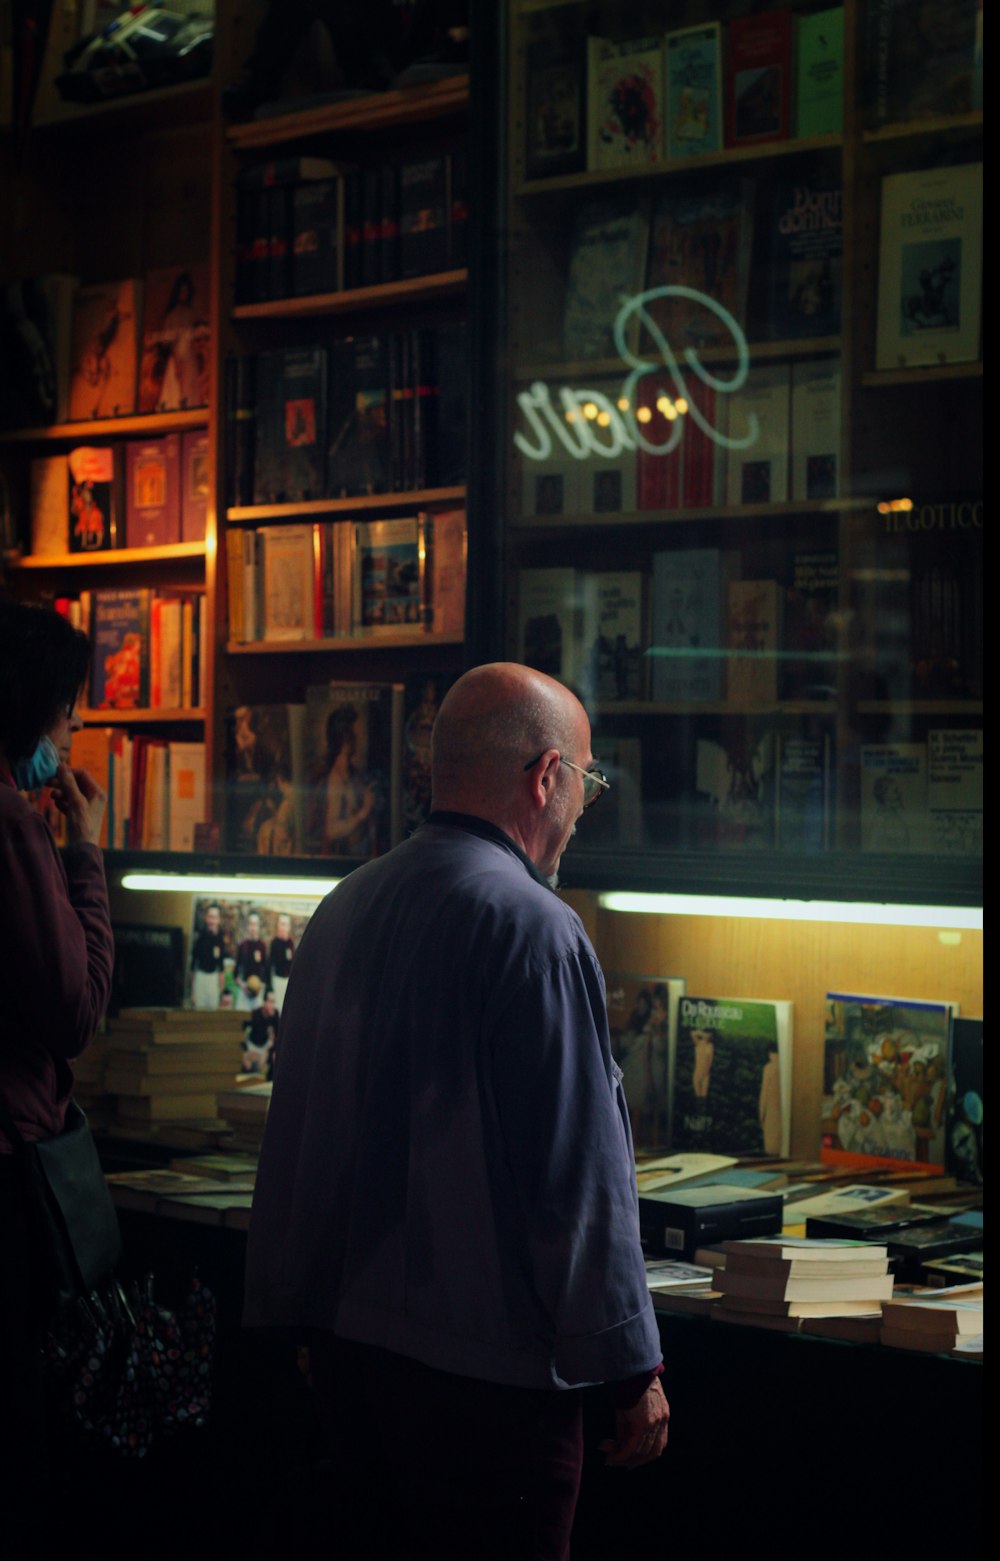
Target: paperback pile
790 1277
937 1320
245 1110
676 1286
168 1064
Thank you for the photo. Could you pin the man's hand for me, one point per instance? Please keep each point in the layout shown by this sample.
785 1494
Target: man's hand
640 1432
81 799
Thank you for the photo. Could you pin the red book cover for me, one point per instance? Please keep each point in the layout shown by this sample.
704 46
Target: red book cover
657 475
759 78
699 450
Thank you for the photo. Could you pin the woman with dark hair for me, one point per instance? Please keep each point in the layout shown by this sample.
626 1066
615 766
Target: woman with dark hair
348 798
55 932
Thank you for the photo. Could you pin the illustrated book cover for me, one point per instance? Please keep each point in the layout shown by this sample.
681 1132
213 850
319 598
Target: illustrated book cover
805 243
930 267
694 90
606 267
964 1145
731 1076
265 775
175 363
94 498
642 1014
153 491
119 634
701 242
555 135
759 77
103 362
885 1081
819 72
624 103
353 760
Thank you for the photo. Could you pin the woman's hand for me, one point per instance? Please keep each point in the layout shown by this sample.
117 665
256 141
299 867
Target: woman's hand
82 802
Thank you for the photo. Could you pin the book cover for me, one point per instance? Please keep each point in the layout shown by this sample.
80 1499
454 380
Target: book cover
94 498
240 425
955 791
423 693
49 505
735 786
175 364
624 103
731 1075
805 242
693 71
36 322
552 485
265 775
302 433
686 616
619 820
759 78
919 59
758 472
885 1075
91 751
353 757
819 72
642 1013
448 544
149 965
701 242
815 436
964 1141
390 583
423 216
195 484
809 617
683 1219
317 216
606 267
548 621
930 267
804 794
358 451
615 651
103 371
893 811
153 491
119 633
555 123
186 804
289 583
753 635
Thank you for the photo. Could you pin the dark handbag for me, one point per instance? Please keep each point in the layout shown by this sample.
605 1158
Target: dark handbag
73 1220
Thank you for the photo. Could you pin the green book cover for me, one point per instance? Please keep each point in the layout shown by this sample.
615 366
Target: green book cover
820 73
730 1076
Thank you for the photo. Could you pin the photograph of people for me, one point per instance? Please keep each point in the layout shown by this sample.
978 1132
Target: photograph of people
250 973
280 958
207 957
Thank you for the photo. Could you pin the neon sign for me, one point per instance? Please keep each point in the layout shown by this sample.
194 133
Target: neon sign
588 422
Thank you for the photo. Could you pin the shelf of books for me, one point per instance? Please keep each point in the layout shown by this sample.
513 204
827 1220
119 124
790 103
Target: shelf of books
743 364
344 270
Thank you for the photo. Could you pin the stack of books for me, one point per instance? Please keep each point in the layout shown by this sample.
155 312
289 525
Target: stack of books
676 1286
940 1321
778 1282
245 1110
169 1064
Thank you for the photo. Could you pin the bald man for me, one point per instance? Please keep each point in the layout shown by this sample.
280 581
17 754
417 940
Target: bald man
445 1206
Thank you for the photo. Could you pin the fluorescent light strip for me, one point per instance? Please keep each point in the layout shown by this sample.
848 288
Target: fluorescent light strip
215 883
964 918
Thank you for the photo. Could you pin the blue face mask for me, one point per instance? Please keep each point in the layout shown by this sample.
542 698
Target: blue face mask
38 768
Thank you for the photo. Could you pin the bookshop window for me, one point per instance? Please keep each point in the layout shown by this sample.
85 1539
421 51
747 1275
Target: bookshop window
742 451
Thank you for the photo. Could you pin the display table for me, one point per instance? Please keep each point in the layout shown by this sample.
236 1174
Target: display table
778 1441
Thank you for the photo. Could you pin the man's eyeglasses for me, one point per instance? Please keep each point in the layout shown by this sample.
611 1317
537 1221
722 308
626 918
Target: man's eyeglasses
595 782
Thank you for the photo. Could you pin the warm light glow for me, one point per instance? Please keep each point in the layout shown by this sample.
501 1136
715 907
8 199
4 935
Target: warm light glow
681 405
891 506
644 414
240 887
966 918
604 419
590 411
623 403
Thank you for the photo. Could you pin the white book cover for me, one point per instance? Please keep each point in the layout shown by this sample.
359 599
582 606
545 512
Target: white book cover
930 267
624 103
612 636
289 583
894 816
187 793
955 791
758 474
816 430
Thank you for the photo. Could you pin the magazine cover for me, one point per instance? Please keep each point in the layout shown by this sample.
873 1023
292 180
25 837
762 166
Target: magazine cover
885 1077
221 928
731 1076
103 357
642 1013
352 764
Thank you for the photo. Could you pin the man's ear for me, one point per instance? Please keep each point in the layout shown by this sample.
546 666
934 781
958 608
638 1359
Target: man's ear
542 777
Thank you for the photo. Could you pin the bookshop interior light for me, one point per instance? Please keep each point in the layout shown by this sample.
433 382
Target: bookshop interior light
957 918
243 888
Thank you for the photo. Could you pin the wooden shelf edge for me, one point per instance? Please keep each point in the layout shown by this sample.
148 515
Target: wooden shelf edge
184 102
941 707
385 294
425 100
142 423
110 555
907 129
531 188
921 374
138 717
361 501
341 642
552 369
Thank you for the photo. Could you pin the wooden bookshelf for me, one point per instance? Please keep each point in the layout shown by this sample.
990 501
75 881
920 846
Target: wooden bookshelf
110 557
371 112
419 498
418 639
385 295
145 425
